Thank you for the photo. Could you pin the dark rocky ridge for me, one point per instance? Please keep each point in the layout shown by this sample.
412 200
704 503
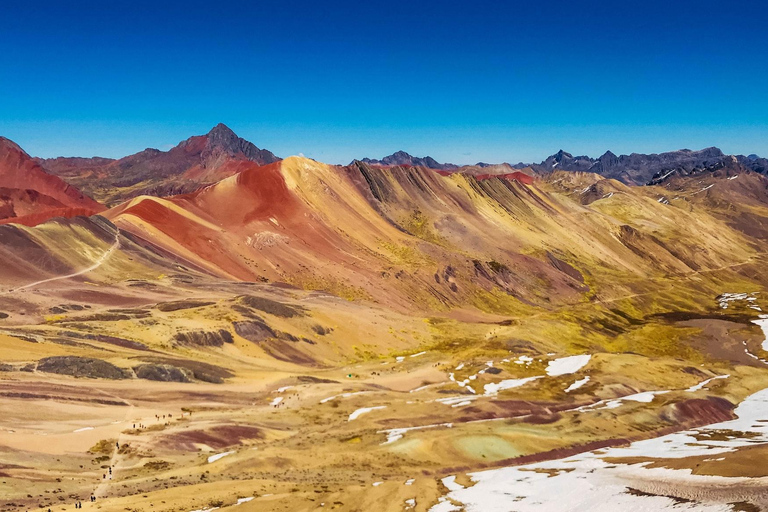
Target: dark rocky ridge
163 373
205 338
82 367
402 158
642 169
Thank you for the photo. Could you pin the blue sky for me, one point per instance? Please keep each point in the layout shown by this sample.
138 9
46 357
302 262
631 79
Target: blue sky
460 81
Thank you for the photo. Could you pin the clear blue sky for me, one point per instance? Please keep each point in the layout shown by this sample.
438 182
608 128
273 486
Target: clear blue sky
460 81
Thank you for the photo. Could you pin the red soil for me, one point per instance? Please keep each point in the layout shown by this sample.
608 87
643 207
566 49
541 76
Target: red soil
520 177
31 195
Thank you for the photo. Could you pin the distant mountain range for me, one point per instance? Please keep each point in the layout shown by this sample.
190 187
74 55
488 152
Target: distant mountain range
641 169
634 169
402 158
33 190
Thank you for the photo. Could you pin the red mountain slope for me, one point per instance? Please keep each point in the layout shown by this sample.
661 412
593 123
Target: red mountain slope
29 195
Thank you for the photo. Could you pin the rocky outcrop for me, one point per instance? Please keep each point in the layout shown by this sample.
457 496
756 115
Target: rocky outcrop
205 338
178 305
163 373
272 306
254 330
200 371
81 367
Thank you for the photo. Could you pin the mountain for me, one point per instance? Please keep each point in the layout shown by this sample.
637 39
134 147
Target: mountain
566 161
29 195
402 158
276 223
641 169
196 162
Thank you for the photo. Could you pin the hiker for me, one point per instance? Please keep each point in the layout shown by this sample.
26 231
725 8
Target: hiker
117 445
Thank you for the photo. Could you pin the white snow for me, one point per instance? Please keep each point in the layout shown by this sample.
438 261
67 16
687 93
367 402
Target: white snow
450 483
576 385
666 175
410 481
701 385
495 387
567 365
365 410
395 434
410 503
376 484
593 482
644 397
763 323
83 429
400 359
732 177
240 501
450 400
343 395
214 458
283 389
419 354
427 386
460 366
526 360
276 401
725 298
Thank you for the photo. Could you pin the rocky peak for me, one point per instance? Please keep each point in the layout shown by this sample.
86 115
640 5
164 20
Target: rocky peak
222 142
403 158
223 135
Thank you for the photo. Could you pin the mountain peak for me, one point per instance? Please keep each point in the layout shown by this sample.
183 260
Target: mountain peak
222 131
221 143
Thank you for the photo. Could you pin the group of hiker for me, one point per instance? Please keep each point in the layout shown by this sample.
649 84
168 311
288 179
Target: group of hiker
79 504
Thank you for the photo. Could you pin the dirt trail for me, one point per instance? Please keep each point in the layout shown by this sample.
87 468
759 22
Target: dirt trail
102 259
101 488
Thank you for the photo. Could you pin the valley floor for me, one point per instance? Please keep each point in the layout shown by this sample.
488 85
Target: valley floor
312 402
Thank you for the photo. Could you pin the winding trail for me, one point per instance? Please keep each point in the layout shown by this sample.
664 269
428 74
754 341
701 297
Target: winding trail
99 262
